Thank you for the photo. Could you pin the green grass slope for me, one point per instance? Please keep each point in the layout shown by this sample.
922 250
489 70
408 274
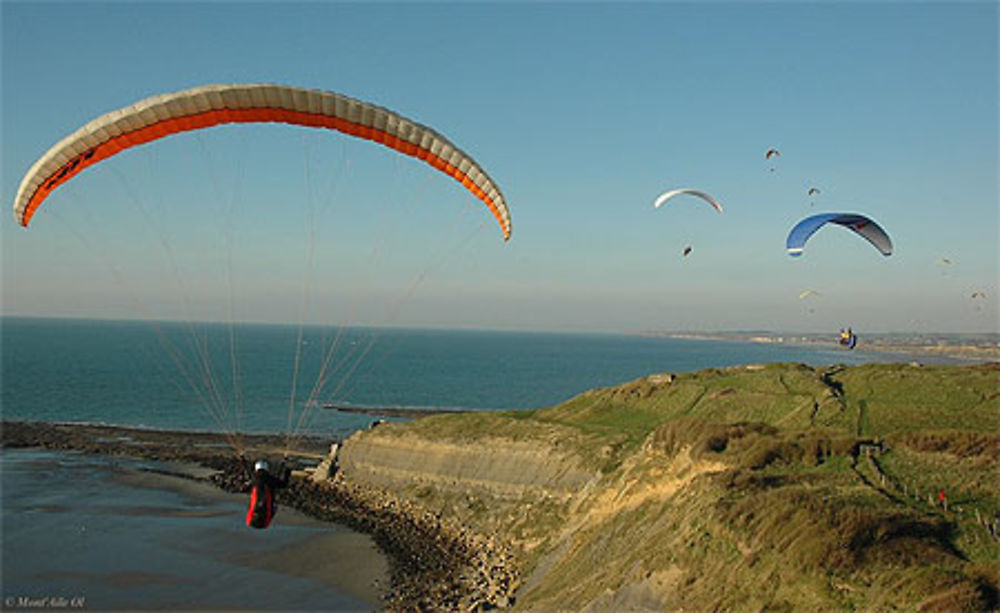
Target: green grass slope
761 487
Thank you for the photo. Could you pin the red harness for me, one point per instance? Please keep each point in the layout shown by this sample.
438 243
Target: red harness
261 509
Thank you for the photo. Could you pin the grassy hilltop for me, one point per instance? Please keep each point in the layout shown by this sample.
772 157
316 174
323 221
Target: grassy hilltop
781 487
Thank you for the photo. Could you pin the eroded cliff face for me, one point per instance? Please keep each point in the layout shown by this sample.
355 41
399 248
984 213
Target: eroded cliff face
542 500
502 467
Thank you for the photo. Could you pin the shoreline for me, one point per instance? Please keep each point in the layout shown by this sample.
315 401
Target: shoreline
343 559
433 564
960 352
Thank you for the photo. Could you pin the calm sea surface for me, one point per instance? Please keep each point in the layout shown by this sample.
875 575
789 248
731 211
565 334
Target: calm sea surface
77 531
179 376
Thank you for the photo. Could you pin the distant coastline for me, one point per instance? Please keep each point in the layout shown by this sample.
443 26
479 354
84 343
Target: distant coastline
978 347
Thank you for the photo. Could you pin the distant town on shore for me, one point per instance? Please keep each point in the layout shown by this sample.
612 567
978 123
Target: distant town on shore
969 345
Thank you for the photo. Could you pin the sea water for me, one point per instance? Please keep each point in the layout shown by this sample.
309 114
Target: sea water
180 376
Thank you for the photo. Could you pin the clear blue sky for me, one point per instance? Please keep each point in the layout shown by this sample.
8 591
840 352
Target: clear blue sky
583 113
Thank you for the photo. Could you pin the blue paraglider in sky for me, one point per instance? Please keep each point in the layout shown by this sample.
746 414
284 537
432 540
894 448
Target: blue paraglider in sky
862 225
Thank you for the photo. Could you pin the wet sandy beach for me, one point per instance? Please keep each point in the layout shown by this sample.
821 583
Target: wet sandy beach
116 534
368 547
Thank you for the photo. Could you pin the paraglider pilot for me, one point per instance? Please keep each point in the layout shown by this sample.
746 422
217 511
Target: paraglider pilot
848 338
262 508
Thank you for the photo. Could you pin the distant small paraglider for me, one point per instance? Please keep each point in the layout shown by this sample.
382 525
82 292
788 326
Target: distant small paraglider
808 293
812 192
944 263
668 195
978 295
847 338
772 153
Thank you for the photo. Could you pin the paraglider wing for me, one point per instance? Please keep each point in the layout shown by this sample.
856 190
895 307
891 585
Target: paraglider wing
860 224
813 191
687 251
211 105
662 198
772 153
